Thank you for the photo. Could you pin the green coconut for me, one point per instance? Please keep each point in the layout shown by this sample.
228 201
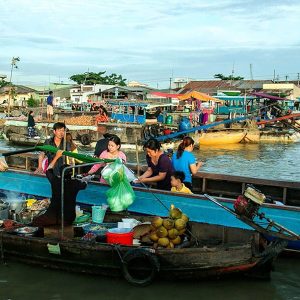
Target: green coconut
176 241
171 245
164 242
156 222
173 233
168 223
180 224
182 231
185 218
153 236
162 232
175 213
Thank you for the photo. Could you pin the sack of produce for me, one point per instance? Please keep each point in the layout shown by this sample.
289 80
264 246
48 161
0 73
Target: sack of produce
121 194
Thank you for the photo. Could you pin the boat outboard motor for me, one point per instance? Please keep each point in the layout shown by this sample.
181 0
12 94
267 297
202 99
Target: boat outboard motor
249 203
184 124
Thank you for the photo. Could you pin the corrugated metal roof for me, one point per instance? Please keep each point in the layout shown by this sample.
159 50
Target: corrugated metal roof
212 86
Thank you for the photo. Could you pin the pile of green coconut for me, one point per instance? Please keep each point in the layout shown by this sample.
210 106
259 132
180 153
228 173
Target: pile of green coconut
168 232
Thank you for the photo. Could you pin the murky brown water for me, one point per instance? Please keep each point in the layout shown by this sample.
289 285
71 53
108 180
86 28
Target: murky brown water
19 281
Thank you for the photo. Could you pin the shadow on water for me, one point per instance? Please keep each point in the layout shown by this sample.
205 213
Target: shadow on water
18 281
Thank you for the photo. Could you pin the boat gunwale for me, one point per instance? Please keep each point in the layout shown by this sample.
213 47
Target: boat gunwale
192 196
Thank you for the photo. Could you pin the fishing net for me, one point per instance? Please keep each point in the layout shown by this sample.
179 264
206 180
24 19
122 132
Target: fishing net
121 195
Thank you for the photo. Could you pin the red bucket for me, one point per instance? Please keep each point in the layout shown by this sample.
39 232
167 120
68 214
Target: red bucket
119 236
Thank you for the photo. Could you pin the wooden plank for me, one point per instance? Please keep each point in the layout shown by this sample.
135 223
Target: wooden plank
284 195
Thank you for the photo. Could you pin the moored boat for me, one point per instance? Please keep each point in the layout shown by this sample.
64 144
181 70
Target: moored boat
221 137
198 207
210 252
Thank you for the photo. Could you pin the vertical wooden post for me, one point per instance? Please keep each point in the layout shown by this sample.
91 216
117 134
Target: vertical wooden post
137 157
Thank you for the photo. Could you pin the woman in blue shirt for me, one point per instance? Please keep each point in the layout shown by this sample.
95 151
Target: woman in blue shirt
185 161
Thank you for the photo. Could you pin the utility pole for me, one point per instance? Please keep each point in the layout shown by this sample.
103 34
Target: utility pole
14 61
232 74
251 73
170 85
286 77
274 76
298 77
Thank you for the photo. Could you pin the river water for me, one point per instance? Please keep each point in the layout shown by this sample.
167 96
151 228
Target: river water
272 161
22 282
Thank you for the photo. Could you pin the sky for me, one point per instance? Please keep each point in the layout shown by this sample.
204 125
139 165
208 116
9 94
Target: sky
149 41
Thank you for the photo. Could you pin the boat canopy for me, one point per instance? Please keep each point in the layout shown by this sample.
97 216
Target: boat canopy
144 105
165 95
271 97
133 112
200 96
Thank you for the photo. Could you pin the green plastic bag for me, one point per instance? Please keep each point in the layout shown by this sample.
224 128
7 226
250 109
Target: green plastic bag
121 195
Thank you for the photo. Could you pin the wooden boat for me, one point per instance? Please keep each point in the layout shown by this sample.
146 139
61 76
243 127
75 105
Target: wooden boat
208 251
25 140
222 185
198 207
221 137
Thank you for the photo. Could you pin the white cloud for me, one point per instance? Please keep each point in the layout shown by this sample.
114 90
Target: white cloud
146 38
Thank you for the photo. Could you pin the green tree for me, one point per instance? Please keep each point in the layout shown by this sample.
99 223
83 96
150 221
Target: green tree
31 102
98 78
230 77
3 83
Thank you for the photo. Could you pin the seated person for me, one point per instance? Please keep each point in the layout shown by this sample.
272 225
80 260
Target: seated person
102 116
72 186
159 167
177 184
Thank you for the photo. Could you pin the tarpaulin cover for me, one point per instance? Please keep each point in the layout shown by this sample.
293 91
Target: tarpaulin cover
165 95
271 97
200 96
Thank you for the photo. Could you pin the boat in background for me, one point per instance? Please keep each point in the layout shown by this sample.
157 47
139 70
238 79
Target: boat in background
221 137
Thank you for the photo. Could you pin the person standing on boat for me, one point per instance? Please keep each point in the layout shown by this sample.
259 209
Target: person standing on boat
50 106
185 161
159 166
57 141
112 152
31 125
72 186
102 116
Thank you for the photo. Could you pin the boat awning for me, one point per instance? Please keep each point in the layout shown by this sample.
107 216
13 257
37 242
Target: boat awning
200 96
271 97
164 95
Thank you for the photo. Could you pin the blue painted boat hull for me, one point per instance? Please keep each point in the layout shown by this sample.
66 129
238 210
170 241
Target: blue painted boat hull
197 207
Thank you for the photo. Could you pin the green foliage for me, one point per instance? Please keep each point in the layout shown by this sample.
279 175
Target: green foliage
98 78
230 77
3 83
31 102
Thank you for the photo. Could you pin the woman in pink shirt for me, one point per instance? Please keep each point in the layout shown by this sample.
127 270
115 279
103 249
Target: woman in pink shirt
112 152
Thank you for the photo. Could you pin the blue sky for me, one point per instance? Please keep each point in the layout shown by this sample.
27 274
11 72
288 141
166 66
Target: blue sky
149 41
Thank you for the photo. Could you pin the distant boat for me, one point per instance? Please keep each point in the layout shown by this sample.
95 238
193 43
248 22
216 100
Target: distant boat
221 137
